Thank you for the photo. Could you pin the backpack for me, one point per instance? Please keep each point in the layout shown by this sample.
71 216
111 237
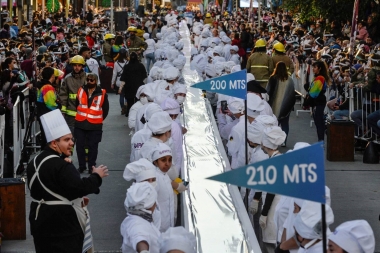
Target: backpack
119 73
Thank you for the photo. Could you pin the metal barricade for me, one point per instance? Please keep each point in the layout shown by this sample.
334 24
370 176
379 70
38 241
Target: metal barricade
2 144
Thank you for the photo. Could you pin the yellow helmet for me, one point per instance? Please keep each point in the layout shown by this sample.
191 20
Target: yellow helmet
208 15
77 60
109 36
225 13
260 43
279 47
132 29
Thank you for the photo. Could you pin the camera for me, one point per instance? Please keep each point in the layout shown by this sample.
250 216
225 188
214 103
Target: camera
224 106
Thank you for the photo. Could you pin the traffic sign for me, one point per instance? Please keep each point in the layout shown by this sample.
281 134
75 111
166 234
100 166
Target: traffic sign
299 174
234 85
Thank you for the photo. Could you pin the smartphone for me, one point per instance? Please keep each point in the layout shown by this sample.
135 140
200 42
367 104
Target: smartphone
185 183
224 106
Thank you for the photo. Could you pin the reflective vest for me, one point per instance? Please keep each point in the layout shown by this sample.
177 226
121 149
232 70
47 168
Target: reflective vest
94 113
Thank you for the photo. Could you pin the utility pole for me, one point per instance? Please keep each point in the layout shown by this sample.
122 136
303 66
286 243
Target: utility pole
112 30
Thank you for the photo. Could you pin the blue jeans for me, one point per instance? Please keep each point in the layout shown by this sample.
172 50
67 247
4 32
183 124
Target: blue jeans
319 121
372 119
92 139
339 114
358 117
149 59
121 100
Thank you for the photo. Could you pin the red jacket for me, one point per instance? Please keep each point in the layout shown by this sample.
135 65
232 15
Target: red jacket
90 41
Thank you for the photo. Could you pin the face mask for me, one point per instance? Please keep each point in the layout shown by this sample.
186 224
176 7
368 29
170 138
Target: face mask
91 85
144 100
181 99
154 184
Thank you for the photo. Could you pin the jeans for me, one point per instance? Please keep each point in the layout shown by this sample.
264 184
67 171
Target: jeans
339 114
121 100
149 59
284 123
92 139
359 116
319 121
373 118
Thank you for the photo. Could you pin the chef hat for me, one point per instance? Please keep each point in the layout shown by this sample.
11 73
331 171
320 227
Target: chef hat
172 54
146 36
54 125
218 50
140 196
229 65
139 91
153 73
171 73
226 39
194 51
255 132
170 106
206 33
210 70
299 202
160 150
160 123
219 67
254 105
179 45
204 43
177 238
234 48
158 36
166 65
198 63
150 91
236 105
139 170
273 137
150 110
235 68
222 34
354 236
309 219
250 77
267 120
180 88
180 62
210 53
214 40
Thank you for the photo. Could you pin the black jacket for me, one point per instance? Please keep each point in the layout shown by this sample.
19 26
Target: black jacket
133 75
61 178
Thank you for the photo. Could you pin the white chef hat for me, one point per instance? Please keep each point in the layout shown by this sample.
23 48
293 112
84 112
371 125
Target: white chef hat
226 39
54 125
236 105
255 132
234 48
160 123
160 150
354 236
250 77
150 91
180 62
146 36
219 67
179 88
198 63
218 50
229 65
158 36
204 43
171 73
139 91
139 170
140 196
177 238
273 137
222 34
154 73
210 70
266 120
299 202
194 51
235 68
150 110
157 53
308 221
205 33
179 45
170 106
254 105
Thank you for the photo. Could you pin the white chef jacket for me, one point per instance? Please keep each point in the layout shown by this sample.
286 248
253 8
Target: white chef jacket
289 224
235 58
281 213
225 125
132 114
316 248
235 140
135 229
255 155
139 114
176 147
165 199
137 142
227 52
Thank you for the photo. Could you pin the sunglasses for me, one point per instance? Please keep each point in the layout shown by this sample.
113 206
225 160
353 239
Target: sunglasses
90 80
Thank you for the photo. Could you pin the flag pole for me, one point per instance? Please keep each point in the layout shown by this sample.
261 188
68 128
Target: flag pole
324 227
246 151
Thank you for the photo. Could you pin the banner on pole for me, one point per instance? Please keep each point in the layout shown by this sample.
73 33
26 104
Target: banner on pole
234 85
299 174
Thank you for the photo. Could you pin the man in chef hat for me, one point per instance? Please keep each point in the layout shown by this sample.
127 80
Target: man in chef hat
352 236
177 239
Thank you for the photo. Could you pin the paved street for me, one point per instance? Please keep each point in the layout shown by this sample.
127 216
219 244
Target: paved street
354 185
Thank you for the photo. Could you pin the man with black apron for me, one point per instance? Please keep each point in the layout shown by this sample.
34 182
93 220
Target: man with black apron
59 219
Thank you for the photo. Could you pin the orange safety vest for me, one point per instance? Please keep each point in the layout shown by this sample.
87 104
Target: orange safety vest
94 114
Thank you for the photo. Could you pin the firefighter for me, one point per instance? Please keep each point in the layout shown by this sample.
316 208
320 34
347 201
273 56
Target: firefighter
134 43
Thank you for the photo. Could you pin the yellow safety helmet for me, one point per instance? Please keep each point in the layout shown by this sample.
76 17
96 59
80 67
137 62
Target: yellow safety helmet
132 29
208 15
109 36
225 13
260 43
77 60
279 47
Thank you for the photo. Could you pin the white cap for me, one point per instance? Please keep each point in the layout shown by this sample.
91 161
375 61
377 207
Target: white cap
266 120
235 68
146 36
140 196
226 39
177 238
210 70
250 77
170 106
354 236
150 110
299 202
139 170
150 91
255 132
198 63
154 73
160 150
234 48
236 105
229 65
308 221
160 123
273 137
171 73
180 62
139 91
219 67
218 50
54 125
193 51
254 105
180 88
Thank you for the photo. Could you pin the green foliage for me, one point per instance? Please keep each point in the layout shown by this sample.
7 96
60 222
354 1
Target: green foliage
52 6
106 3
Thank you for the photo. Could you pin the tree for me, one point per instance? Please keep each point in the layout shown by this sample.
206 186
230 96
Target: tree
52 6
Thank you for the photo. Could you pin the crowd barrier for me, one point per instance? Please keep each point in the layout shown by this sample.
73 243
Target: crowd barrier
213 211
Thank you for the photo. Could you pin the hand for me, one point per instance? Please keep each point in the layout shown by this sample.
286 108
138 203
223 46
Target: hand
119 91
68 159
184 130
102 171
335 107
253 207
85 201
263 221
181 187
112 86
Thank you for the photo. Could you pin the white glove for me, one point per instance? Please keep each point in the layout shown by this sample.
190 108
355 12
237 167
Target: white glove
263 221
253 207
172 173
181 187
